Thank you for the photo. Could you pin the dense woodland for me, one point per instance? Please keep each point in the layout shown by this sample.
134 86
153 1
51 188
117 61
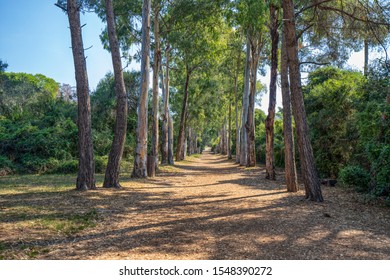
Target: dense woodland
198 86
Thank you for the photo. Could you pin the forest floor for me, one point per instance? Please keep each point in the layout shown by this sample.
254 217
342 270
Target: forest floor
206 207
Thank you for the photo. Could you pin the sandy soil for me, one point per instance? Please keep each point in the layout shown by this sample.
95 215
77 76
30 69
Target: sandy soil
210 208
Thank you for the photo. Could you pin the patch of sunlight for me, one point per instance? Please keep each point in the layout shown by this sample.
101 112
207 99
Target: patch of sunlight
348 233
313 236
271 238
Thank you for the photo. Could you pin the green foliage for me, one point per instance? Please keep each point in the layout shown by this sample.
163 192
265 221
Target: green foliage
38 130
349 123
330 99
355 176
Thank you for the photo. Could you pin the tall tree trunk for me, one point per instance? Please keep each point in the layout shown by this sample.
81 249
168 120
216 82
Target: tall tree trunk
223 137
229 133
366 57
309 173
140 168
156 68
250 123
245 102
236 108
269 122
85 176
165 124
289 150
181 138
111 179
170 140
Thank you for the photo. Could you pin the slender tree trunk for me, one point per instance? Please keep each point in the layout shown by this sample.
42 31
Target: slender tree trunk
156 67
250 123
140 168
236 108
224 140
245 102
289 150
111 179
85 176
181 138
229 133
170 140
309 173
366 52
269 122
165 124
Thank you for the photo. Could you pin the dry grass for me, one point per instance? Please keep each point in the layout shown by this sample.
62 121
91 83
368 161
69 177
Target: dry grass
203 208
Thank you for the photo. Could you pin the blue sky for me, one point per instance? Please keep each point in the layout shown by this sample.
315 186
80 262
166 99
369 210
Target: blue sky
35 38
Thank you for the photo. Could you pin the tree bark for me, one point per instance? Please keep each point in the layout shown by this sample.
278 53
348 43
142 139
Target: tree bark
181 137
269 122
170 140
165 119
250 123
140 168
236 108
309 173
245 102
229 133
365 57
289 150
156 67
85 176
111 178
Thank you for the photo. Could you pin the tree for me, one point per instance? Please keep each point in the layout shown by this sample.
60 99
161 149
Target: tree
288 133
85 176
111 179
156 69
269 123
309 173
140 170
3 66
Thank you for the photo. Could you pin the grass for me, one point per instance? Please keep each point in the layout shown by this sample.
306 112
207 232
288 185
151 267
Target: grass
44 204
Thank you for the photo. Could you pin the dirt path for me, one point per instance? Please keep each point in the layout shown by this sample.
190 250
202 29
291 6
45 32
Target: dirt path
209 208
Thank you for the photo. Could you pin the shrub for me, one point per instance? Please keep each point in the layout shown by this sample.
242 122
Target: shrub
6 166
66 167
355 176
100 164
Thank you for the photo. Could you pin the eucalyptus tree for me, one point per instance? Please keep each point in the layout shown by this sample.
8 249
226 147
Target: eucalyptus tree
86 169
290 170
309 173
140 169
269 123
156 69
111 179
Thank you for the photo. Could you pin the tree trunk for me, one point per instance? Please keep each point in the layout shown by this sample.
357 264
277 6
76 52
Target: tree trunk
289 150
85 176
111 179
309 173
140 168
170 140
250 123
181 138
269 122
245 102
236 108
229 133
365 57
165 119
156 67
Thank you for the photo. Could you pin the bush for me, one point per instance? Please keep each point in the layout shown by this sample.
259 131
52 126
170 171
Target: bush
100 164
355 176
381 172
65 167
6 166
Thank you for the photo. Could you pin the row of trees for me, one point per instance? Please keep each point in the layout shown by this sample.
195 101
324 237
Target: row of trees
208 28
205 57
